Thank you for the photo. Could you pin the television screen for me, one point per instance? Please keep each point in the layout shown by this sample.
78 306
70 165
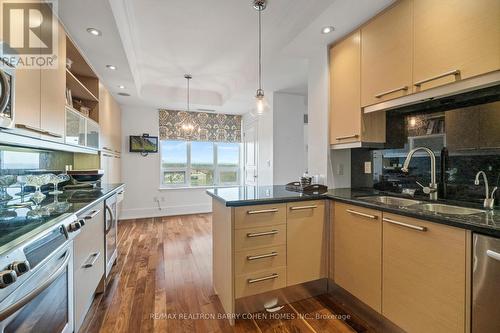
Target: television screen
143 144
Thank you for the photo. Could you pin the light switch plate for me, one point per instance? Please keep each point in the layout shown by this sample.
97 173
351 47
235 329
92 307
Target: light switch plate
368 167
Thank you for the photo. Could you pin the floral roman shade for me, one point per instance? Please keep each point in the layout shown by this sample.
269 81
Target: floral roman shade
199 126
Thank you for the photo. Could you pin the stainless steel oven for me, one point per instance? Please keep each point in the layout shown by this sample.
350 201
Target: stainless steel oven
111 230
7 84
36 283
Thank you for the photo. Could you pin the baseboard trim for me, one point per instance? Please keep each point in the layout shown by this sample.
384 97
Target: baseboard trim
138 213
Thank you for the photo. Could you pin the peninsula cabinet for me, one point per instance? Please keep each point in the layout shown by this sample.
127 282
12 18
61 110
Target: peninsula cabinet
386 55
454 39
306 242
357 251
348 124
424 284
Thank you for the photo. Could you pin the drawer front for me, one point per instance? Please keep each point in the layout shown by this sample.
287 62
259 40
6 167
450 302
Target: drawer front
255 238
252 261
261 215
91 236
256 283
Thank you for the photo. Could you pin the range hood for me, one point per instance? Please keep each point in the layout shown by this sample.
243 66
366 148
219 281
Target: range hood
475 90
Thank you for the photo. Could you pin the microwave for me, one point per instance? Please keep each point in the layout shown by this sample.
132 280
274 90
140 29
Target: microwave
7 84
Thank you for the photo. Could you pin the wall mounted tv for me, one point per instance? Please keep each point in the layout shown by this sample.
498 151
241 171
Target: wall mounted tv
143 144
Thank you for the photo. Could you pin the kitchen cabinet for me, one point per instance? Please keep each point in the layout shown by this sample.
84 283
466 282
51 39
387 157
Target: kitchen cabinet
348 124
111 164
53 93
454 35
424 275
306 235
88 261
75 128
110 121
386 55
357 251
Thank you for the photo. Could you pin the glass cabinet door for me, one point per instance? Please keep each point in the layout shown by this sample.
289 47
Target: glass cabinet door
92 134
75 128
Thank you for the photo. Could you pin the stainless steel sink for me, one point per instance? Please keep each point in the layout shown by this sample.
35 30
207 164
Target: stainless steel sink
451 210
392 201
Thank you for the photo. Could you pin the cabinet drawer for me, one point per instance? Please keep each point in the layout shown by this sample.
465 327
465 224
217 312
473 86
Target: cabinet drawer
252 261
256 283
261 215
254 238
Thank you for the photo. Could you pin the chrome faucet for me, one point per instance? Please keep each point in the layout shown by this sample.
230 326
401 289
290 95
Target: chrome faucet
432 189
489 201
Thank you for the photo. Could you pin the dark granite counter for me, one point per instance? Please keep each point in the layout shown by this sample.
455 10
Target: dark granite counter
487 222
16 219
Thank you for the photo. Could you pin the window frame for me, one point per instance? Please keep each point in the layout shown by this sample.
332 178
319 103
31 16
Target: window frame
187 170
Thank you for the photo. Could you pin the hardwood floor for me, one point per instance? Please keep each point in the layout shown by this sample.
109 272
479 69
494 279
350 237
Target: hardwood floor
162 282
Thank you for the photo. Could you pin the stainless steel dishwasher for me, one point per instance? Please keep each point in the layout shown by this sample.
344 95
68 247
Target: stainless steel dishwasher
486 284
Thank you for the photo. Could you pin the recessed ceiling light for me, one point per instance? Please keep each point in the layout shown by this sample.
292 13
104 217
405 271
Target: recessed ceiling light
327 30
121 86
112 67
124 94
94 31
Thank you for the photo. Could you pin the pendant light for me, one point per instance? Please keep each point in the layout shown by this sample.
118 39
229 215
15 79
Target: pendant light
188 128
261 105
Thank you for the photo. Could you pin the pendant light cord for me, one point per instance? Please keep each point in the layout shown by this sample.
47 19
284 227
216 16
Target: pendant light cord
260 50
187 94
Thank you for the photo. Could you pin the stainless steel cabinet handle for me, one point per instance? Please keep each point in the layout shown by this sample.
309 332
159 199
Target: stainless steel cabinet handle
106 148
91 260
455 72
92 214
7 312
347 137
493 255
373 217
303 207
259 234
262 256
270 277
406 225
32 129
263 211
55 135
405 88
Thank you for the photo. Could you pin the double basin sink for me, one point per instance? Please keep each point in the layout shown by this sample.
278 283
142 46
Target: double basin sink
429 207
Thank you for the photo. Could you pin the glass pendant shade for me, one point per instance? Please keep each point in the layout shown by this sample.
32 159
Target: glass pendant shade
261 105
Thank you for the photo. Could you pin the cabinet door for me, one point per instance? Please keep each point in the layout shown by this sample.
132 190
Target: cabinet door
75 128
489 123
357 251
462 129
306 242
424 275
345 113
104 118
386 55
455 35
92 134
116 128
53 89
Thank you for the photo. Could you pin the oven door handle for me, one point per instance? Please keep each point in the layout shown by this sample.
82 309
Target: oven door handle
10 310
5 94
110 211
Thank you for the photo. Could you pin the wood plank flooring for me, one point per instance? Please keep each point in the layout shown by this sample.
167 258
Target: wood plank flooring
162 282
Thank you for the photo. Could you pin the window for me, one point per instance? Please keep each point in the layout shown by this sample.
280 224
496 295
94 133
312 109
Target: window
199 163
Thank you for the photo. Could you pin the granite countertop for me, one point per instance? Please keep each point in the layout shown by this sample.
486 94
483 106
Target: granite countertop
486 223
15 220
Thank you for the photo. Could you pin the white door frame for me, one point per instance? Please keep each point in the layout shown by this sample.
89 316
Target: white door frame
252 125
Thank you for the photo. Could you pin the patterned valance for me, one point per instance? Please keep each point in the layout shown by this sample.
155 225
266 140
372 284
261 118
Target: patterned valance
199 126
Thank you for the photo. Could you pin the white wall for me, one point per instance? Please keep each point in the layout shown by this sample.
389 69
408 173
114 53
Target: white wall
141 175
290 159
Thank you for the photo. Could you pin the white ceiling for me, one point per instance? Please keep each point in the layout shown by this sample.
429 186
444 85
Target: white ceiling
155 42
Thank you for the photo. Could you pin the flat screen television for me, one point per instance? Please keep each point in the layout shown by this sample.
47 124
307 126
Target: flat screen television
143 144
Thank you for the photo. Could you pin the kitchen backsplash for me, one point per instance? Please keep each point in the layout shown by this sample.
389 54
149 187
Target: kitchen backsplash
466 140
18 161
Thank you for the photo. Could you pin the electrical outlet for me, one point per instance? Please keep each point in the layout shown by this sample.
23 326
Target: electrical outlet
368 167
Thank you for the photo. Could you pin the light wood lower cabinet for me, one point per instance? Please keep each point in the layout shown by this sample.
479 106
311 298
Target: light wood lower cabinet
357 251
307 239
88 261
424 275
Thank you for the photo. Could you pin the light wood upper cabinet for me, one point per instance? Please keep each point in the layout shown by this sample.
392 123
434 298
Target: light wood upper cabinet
345 123
109 121
386 55
424 275
357 251
307 236
453 35
53 99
